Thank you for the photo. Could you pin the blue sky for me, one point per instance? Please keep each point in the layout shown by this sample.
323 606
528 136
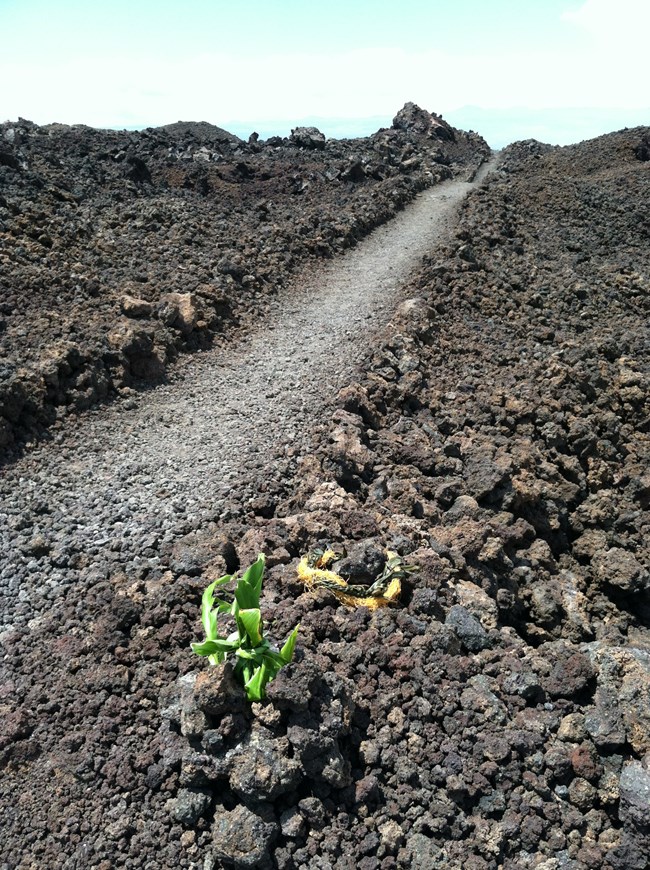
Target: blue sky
564 69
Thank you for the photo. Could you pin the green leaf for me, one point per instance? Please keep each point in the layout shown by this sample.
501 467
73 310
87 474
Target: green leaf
255 663
244 670
210 625
208 595
245 596
207 600
272 655
254 575
254 655
251 620
290 644
205 648
210 647
273 665
255 686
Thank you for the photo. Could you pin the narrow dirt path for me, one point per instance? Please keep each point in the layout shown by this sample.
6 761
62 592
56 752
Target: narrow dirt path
126 476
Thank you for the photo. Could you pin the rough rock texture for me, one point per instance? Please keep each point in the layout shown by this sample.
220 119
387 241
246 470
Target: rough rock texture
118 249
498 718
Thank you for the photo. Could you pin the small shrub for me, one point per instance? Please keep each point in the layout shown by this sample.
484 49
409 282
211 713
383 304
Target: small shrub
257 663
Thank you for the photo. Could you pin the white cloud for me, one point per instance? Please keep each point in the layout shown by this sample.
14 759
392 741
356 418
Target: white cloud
611 52
620 24
123 91
215 87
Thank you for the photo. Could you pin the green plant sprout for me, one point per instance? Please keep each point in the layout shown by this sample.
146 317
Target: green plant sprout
257 663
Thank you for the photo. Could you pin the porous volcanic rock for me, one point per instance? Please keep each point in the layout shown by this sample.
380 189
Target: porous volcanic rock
120 249
497 717
498 436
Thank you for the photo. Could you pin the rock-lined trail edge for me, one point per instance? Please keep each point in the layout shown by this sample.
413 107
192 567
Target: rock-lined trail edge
206 438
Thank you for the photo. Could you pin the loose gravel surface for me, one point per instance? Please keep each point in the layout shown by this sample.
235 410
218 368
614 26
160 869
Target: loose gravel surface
202 444
488 419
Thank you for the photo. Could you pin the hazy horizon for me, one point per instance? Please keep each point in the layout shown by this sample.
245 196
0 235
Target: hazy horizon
273 66
499 127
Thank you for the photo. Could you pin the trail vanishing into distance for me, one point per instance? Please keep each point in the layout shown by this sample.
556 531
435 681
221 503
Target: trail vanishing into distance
186 446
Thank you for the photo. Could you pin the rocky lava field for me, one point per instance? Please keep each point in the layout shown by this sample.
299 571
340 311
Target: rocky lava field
497 436
119 249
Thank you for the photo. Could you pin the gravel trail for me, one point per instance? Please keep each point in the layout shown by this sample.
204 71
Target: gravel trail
147 469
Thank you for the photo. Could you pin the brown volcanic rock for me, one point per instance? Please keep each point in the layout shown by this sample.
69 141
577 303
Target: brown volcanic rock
200 131
184 227
497 436
519 455
417 120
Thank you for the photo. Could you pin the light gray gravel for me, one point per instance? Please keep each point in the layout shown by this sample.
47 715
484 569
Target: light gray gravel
116 483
